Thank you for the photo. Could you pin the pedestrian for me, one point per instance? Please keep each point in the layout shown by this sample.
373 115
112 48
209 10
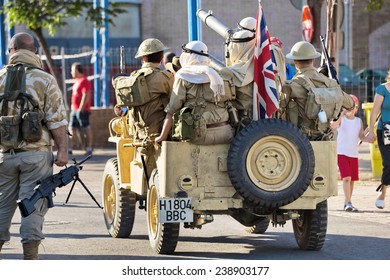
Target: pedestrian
381 111
199 87
81 109
349 131
146 109
294 95
27 159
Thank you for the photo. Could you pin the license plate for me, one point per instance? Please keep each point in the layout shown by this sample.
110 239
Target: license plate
175 210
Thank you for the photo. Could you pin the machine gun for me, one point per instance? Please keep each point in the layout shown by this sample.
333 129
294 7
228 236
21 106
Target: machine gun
47 187
332 73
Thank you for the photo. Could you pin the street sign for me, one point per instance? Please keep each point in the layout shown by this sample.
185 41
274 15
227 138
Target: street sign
307 24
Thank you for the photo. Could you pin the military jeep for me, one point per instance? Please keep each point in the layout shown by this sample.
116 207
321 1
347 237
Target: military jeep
269 173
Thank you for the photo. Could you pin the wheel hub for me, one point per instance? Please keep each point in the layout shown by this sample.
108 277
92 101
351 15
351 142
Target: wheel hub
273 163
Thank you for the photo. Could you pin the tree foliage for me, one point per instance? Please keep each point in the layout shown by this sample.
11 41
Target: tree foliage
374 5
37 15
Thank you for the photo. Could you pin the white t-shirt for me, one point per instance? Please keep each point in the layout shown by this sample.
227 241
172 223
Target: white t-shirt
348 137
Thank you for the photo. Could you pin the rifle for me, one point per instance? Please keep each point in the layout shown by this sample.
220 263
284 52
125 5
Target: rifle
47 187
332 74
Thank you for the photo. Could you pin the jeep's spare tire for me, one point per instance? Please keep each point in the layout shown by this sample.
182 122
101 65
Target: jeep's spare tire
270 163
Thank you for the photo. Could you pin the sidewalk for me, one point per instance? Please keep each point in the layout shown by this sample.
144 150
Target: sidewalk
365 170
364 194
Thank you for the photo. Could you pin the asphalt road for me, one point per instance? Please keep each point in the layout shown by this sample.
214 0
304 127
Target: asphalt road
76 230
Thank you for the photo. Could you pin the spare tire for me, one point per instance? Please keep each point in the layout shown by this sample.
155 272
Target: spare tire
270 163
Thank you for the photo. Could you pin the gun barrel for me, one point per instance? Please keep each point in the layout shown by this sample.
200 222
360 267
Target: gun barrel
211 21
216 63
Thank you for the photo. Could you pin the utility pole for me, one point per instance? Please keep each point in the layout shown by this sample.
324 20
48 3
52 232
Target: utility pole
333 12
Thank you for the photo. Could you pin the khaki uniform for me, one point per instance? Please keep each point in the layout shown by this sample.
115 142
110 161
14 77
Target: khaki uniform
244 101
20 169
213 124
244 95
148 119
280 76
43 88
294 97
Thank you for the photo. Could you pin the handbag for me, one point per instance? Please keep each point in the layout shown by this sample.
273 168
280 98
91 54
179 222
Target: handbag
386 133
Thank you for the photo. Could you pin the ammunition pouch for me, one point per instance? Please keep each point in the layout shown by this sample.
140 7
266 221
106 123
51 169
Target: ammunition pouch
32 126
292 112
10 133
183 128
26 123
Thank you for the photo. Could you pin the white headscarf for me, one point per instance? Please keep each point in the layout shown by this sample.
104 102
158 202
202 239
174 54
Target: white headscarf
195 69
241 58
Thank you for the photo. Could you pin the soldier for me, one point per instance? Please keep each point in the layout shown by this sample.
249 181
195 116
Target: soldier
28 160
147 117
239 65
240 61
295 93
280 75
200 88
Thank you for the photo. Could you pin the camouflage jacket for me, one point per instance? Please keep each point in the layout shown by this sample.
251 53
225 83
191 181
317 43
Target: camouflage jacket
44 89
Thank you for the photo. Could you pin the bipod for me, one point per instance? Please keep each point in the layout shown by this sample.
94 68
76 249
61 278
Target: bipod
77 179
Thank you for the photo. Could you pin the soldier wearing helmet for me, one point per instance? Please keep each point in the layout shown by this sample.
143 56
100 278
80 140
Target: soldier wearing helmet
147 119
295 92
248 23
199 87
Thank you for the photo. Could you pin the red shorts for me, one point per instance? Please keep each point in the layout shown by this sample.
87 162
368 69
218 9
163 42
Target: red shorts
348 166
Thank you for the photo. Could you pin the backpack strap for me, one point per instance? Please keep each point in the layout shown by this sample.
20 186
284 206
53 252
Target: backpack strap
304 82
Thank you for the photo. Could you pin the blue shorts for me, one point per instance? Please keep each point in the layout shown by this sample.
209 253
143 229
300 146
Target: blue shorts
79 119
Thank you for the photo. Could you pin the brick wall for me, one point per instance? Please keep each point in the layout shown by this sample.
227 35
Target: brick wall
99 119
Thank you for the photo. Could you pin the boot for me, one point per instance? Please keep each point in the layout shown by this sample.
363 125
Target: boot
30 250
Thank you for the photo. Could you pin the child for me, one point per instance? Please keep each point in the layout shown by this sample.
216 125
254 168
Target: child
350 130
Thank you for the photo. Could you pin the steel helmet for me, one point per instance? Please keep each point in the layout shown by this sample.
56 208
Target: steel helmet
302 51
242 36
197 47
355 99
248 23
150 46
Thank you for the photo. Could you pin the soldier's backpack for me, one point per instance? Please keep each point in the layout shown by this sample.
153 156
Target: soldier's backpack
24 122
131 90
328 99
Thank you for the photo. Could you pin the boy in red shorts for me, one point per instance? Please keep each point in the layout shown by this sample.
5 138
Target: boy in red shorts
349 131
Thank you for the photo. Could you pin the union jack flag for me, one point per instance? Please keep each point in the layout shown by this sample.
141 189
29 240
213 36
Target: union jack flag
265 96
